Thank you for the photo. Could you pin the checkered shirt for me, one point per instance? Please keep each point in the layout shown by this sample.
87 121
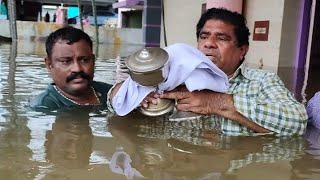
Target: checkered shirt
262 97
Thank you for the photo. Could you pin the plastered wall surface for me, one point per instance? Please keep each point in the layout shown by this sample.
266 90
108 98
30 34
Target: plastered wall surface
39 30
181 17
264 54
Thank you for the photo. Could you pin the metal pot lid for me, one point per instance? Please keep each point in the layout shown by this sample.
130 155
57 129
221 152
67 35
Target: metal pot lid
147 59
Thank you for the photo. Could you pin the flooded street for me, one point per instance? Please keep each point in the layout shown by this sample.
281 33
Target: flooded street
88 144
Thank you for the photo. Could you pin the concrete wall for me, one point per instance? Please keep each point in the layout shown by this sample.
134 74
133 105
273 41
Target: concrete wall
233 5
281 52
288 69
290 36
103 51
264 54
40 30
181 17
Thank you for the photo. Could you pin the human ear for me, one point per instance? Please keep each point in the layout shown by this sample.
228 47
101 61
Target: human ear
243 50
94 59
48 63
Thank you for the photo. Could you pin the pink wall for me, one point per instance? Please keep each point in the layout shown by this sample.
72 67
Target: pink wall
233 5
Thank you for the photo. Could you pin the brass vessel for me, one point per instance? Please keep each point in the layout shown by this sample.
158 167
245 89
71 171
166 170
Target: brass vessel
145 67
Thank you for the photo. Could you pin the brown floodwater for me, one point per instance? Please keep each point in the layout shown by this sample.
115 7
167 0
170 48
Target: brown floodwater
94 144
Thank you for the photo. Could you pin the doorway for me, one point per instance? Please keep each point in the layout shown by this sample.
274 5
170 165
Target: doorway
312 82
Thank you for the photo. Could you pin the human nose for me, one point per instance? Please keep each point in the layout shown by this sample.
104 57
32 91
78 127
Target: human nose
76 67
211 42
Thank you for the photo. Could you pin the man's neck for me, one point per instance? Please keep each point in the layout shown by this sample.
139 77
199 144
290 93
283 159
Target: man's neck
88 97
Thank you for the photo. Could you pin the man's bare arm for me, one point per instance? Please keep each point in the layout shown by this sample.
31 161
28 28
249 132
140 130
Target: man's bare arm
208 102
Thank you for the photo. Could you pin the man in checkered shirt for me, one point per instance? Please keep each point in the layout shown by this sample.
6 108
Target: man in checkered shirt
257 101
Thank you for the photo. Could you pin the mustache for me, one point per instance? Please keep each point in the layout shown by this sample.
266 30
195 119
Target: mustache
75 75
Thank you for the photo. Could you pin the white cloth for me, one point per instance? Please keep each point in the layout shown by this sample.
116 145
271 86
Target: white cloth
186 65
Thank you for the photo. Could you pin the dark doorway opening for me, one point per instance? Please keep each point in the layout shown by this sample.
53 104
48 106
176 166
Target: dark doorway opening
313 82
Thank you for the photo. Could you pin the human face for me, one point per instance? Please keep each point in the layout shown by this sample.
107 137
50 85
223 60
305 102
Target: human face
218 42
71 67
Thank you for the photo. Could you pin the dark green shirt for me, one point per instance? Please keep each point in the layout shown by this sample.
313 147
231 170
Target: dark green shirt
50 99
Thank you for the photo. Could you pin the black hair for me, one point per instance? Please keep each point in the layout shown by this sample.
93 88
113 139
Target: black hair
237 20
68 34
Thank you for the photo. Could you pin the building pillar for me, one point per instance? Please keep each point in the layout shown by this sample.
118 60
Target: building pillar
151 23
12 13
233 5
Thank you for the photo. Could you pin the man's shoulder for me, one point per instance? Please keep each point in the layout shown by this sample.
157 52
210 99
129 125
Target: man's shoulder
258 74
262 77
101 86
46 99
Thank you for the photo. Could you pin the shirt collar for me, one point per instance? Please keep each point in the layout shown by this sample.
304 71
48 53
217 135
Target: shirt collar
242 69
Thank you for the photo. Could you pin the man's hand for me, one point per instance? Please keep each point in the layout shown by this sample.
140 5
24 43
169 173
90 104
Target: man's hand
203 102
149 99
209 102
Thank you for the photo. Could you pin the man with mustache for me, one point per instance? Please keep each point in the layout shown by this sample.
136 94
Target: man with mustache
70 62
257 101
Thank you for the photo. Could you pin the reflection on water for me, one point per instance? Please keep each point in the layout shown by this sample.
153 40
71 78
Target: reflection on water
69 142
178 150
86 144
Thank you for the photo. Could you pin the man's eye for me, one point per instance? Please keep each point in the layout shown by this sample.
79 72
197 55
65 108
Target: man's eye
85 59
203 36
65 61
223 38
